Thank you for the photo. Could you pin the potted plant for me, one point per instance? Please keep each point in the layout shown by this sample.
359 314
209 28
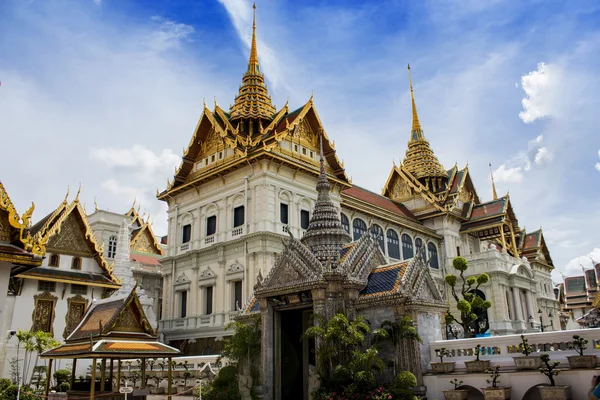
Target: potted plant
495 392
456 394
442 367
477 365
552 392
157 389
581 361
526 361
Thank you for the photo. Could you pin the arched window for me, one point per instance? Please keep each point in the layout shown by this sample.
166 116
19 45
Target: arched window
433 256
54 260
393 244
407 247
420 249
345 223
76 263
377 234
359 228
112 247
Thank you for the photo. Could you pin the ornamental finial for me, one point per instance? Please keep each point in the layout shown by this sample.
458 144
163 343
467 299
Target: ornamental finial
78 192
253 62
416 131
494 194
66 200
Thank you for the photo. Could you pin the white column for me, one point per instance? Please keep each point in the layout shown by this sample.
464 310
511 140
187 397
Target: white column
193 303
517 305
532 310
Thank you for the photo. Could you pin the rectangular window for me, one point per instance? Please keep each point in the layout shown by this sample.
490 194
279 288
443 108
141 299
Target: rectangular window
211 225
304 151
238 216
209 299
283 213
212 158
43 316
457 251
237 295
186 234
304 219
296 148
45 286
79 289
183 312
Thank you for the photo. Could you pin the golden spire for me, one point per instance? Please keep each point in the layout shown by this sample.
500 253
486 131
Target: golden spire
420 160
494 194
253 99
416 131
253 65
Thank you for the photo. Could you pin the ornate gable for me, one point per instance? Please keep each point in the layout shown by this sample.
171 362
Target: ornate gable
362 258
145 241
72 234
296 266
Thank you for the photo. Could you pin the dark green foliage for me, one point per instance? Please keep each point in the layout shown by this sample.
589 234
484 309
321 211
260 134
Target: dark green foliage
64 386
395 332
456 383
494 375
62 375
402 386
347 366
243 347
10 393
580 344
469 303
441 353
550 368
224 387
525 346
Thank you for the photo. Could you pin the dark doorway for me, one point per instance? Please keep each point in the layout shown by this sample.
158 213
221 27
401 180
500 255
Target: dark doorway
294 354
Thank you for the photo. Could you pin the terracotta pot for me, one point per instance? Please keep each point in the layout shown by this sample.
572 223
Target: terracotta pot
555 392
527 362
455 394
477 366
496 393
582 361
442 367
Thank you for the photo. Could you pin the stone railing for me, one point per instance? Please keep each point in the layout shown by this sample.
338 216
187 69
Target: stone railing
501 349
209 239
197 321
237 231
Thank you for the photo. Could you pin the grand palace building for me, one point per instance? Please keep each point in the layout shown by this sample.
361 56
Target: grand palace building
247 181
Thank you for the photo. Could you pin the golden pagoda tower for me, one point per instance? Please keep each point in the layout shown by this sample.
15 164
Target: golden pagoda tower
252 106
420 160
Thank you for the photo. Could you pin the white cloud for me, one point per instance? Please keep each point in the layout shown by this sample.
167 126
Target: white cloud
586 261
598 163
98 2
540 95
504 174
543 156
169 34
139 160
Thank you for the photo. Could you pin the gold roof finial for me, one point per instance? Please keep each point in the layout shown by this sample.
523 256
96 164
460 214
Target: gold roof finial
416 131
95 205
253 99
253 62
66 200
78 192
494 194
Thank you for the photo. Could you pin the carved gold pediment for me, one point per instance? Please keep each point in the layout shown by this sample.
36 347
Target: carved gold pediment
71 238
4 227
400 190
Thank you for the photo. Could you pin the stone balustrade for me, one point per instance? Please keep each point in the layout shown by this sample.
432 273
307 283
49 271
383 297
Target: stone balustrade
501 349
197 321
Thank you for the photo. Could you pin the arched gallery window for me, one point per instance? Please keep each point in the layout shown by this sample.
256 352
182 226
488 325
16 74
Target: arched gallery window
433 256
359 228
393 244
377 234
345 223
112 247
407 247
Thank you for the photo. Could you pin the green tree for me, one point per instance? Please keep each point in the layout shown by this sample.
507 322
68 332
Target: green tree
345 364
244 345
468 303
42 341
396 332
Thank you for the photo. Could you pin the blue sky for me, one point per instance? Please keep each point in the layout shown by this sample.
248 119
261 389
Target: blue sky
107 93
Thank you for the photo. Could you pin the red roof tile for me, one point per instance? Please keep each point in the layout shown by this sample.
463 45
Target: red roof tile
144 259
377 200
531 240
487 209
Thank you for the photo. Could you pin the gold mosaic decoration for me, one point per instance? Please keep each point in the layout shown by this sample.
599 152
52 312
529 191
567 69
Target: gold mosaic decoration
76 307
12 219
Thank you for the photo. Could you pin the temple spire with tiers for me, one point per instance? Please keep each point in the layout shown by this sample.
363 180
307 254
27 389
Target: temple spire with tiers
124 273
325 235
253 102
420 159
494 194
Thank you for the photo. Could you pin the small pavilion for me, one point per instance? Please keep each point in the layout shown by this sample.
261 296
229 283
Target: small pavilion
112 329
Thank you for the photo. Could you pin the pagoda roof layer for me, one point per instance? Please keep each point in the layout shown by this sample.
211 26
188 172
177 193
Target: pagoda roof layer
51 274
113 349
